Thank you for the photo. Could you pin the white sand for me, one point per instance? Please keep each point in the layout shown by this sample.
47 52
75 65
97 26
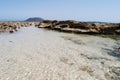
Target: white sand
35 54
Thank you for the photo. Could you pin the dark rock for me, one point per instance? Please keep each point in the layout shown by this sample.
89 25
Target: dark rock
81 27
11 31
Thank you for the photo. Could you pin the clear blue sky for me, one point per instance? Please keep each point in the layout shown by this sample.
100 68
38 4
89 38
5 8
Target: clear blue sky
82 10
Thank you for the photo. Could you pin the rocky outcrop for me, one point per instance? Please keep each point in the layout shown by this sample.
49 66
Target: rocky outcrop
65 26
81 27
14 26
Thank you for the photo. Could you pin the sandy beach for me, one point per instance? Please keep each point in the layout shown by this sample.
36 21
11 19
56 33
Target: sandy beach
38 54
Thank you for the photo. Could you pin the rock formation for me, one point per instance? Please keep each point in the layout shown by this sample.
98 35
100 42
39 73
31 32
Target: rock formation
81 27
14 26
66 26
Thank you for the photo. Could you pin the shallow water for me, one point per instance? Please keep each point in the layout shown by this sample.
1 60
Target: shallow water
39 54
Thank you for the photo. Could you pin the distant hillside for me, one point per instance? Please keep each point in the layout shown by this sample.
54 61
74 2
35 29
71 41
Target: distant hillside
34 19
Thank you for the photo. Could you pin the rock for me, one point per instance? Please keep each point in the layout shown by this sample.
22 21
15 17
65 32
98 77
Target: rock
65 26
11 31
113 73
118 31
14 26
81 27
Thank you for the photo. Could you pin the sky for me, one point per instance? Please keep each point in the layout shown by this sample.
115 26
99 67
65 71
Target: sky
80 10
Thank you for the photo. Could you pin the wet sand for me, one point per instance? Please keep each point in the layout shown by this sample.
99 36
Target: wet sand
38 54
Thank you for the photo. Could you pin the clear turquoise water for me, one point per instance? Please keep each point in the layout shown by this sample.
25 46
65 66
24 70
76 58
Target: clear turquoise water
39 54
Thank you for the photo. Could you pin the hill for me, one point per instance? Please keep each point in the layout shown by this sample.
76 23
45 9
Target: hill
34 19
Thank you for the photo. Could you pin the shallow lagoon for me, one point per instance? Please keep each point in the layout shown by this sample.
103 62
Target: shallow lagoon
39 54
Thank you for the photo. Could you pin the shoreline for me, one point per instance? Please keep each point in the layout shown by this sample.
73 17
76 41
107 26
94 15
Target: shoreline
68 26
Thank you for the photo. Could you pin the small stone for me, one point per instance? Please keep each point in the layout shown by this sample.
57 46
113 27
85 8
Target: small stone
8 60
11 31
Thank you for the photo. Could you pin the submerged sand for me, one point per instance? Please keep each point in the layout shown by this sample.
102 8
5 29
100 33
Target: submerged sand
38 54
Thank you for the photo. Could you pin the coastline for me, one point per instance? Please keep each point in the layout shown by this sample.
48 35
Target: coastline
65 26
